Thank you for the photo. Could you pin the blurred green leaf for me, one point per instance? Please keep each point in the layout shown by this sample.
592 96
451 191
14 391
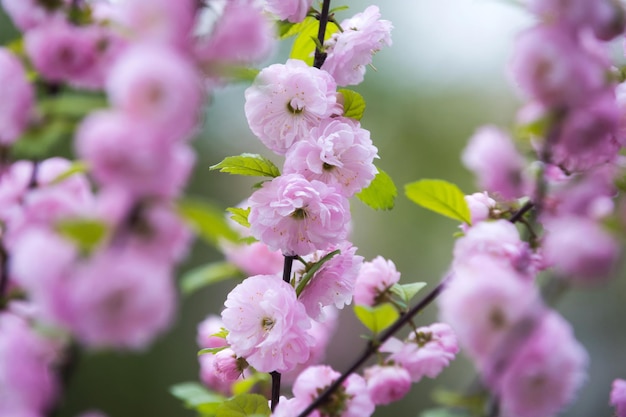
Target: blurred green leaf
211 351
72 104
474 404
207 274
376 318
407 291
240 215
197 397
244 405
441 197
305 44
248 164
206 219
87 234
77 167
245 385
353 104
38 140
443 412
381 193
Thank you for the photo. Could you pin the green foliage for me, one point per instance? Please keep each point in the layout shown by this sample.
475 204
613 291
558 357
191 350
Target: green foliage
208 274
471 404
211 351
312 269
206 219
38 141
381 193
306 42
232 73
240 215
443 412
353 104
196 397
248 164
244 386
87 234
406 292
77 167
72 104
244 405
377 318
441 197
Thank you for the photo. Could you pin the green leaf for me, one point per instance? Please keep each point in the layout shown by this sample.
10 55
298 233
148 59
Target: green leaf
207 274
376 318
38 141
305 44
207 220
381 193
353 104
87 234
407 291
441 197
77 167
245 385
248 164
212 351
72 104
197 397
286 29
244 405
443 412
312 269
475 404
240 215
233 73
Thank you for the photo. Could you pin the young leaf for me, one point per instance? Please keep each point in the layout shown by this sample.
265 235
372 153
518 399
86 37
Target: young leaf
245 385
381 193
212 351
353 104
407 291
377 318
87 234
313 269
77 167
206 219
207 274
195 396
248 164
244 405
441 197
240 215
305 44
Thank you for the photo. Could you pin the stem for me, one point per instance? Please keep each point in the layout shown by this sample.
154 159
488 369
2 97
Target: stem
4 274
517 216
320 55
372 347
276 375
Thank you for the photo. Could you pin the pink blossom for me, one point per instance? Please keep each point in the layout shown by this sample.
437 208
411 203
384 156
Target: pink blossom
426 352
387 384
548 61
352 397
124 152
292 407
266 324
618 397
297 216
14 183
543 376
579 249
374 279
292 10
28 14
254 258
206 329
483 302
154 84
242 35
337 152
350 51
226 366
28 382
210 378
16 98
492 156
480 205
333 283
286 101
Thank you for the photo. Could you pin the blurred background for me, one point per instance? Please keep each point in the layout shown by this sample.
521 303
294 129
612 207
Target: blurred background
444 76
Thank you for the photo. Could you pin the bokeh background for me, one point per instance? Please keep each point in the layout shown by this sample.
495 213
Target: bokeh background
444 76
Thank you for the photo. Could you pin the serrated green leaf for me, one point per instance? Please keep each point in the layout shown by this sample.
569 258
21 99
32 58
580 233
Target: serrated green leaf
353 104
407 291
244 405
441 197
87 234
206 219
305 44
376 318
248 164
240 215
77 167
197 397
381 193
207 274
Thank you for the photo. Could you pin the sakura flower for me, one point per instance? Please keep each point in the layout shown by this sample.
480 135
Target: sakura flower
254 258
28 14
210 378
292 10
374 279
286 101
266 324
297 216
387 384
618 397
480 205
350 51
227 367
16 98
337 152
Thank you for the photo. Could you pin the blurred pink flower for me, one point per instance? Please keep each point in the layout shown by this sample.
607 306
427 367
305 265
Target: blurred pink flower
292 10
16 98
375 278
387 384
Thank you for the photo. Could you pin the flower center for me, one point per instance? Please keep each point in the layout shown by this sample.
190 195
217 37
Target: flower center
299 214
267 323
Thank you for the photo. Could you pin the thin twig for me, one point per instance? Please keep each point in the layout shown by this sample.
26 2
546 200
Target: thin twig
320 55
